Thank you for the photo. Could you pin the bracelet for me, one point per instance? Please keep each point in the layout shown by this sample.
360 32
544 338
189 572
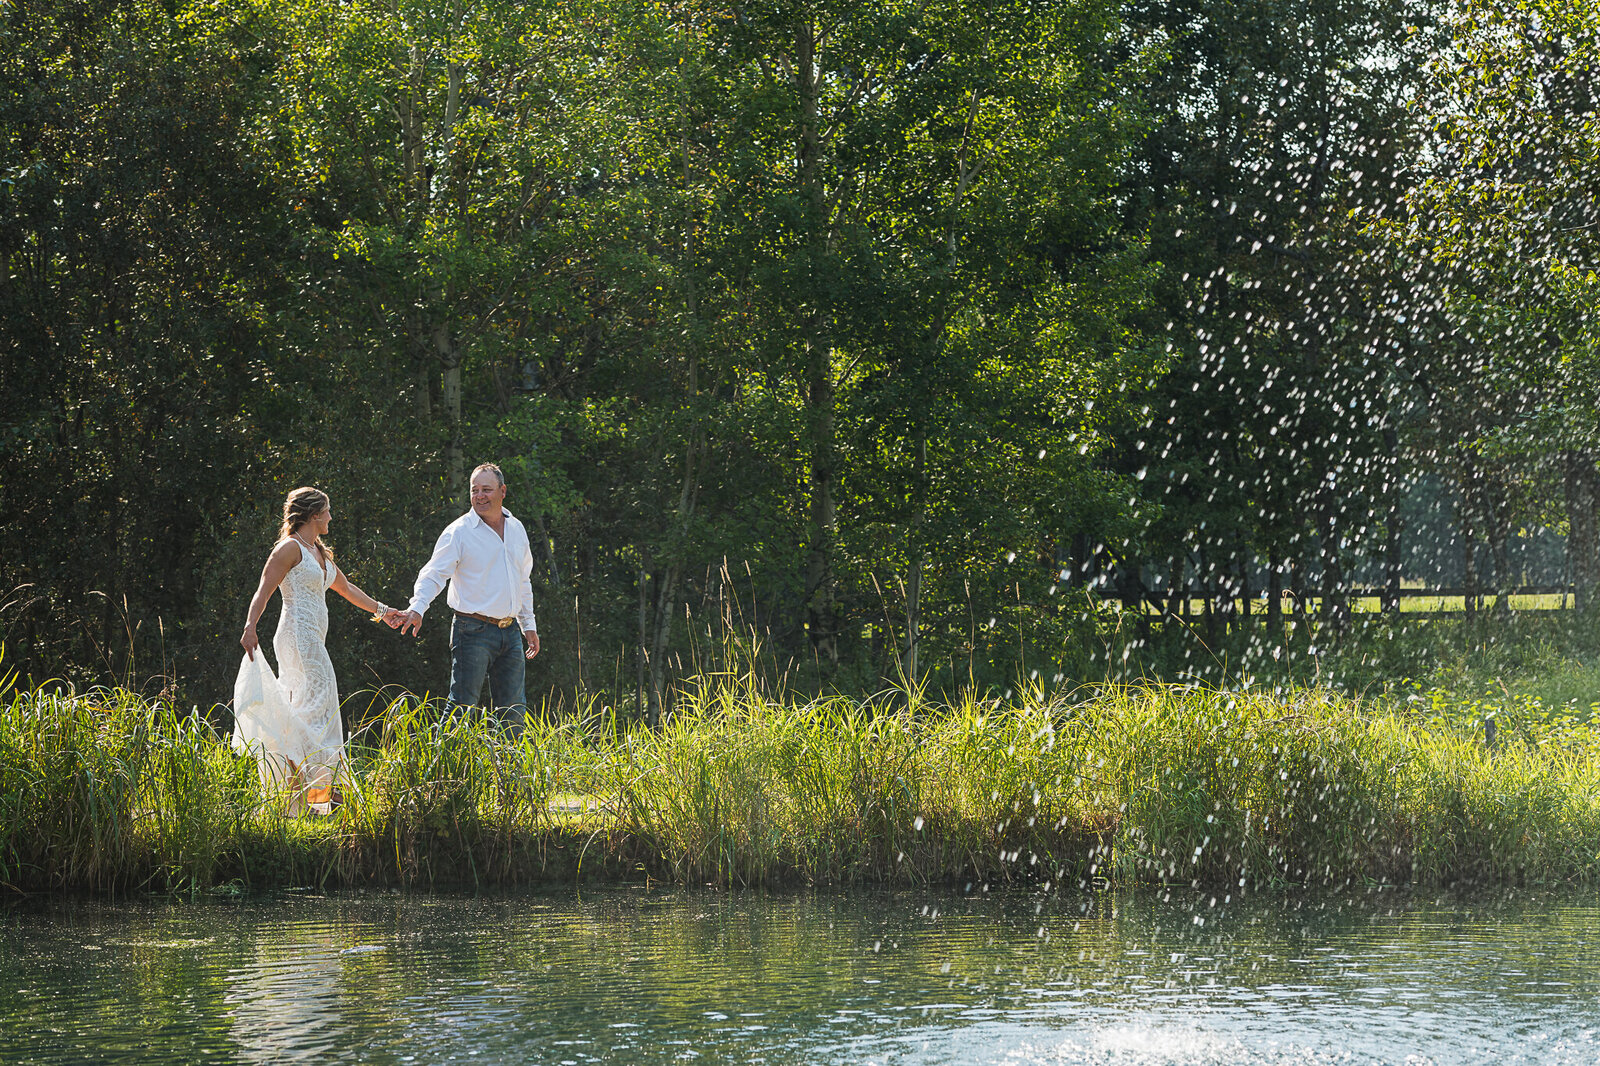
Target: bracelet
377 616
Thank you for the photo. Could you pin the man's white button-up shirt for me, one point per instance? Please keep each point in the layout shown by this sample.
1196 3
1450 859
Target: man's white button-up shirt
487 575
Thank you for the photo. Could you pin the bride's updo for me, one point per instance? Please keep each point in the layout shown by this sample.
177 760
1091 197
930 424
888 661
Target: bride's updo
299 507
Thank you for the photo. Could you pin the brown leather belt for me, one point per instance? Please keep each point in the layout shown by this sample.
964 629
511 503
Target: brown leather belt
501 622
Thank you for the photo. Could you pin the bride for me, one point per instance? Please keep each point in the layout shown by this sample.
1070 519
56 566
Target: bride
292 720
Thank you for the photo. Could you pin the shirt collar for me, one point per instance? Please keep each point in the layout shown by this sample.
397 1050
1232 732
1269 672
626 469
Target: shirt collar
474 519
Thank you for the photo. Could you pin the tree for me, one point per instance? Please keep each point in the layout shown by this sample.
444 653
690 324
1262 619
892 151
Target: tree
1280 125
1502 226
430 148
908 167
140 248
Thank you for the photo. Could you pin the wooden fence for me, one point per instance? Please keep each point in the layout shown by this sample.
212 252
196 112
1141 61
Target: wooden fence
1437 602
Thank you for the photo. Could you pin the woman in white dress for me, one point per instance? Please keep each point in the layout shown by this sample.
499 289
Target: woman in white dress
292 720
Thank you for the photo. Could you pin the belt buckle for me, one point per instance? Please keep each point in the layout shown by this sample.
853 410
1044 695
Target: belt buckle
503 622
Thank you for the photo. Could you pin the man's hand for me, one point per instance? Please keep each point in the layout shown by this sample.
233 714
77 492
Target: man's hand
532 638
393 617
410 621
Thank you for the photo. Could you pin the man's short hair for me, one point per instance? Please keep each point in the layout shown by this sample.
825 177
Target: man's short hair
495 470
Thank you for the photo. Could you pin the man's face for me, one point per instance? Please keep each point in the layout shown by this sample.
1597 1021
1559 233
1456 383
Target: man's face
487 493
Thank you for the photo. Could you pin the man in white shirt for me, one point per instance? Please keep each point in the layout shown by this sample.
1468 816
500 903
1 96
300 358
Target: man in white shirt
486 558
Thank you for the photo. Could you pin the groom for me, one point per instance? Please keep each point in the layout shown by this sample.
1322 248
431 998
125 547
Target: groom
486 558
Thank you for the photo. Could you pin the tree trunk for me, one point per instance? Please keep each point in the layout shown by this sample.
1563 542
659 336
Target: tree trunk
577 647
666 583
435 328
1394 528
1497 511
822 615
1213 601
1078 575
908 660
449 355
1583 532
1475 520
1175 597
415 198
422 370
1335 604
1274 594
1243 562
666 587
1469 563
642 655
666 601
1208 585
658 611
1391 561
547 550
446 334
913 592
1297 592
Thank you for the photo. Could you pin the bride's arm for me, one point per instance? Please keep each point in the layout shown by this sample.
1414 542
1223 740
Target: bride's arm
279 563
343 587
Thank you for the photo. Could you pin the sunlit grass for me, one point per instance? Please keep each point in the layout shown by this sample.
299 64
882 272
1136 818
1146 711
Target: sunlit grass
105 791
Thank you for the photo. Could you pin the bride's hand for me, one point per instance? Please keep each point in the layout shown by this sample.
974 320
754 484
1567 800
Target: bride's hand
248 641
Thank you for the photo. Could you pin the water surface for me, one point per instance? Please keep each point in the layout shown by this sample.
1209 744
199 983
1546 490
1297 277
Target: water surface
916 978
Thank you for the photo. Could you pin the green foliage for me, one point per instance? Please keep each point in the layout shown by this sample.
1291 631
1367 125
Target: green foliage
139 244
1495 222
757 291
859 335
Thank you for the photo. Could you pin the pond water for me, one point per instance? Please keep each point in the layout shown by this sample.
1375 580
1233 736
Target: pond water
925 977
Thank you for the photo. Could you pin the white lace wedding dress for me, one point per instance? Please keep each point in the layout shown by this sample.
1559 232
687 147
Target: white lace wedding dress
292 720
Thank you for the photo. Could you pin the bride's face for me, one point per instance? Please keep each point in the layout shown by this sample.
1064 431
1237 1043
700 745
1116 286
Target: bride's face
321 521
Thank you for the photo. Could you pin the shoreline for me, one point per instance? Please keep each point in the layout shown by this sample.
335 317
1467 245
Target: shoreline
106 793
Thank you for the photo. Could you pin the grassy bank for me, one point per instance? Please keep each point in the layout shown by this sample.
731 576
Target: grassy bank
108 792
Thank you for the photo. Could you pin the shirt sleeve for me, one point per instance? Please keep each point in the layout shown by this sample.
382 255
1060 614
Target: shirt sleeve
433 575
525 587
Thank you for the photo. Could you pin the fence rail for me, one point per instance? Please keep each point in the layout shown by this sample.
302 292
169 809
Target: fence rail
1457 591
1203 602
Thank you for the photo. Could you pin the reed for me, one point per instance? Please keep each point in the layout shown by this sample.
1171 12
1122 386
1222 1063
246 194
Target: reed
107 792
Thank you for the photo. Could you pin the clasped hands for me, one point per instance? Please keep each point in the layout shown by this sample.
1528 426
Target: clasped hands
410 622
404 621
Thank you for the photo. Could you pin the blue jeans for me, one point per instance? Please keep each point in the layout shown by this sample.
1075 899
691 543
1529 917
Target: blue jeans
479 650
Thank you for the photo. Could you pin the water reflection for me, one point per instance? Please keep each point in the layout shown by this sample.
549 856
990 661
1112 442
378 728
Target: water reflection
634 977
289 1002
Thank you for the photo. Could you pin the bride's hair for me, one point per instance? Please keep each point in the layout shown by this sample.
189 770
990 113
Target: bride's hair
301 506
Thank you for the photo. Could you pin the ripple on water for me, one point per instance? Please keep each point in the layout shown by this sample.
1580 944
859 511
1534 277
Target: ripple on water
926 979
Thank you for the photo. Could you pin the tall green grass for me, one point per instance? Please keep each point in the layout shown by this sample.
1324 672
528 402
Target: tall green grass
106 792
